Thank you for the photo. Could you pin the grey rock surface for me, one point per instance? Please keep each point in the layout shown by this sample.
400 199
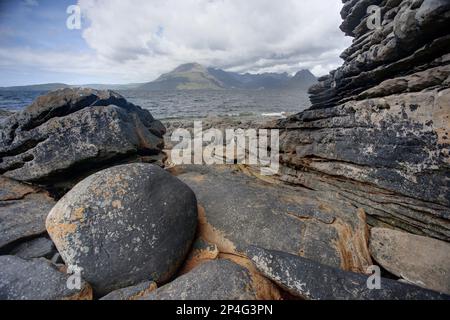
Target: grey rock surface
238 209
419 260
213 280
36 279
41 247
131 293
23 210
311 280
124 225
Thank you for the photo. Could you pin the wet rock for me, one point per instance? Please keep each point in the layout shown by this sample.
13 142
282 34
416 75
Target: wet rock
213 280
37 248
310 280
23 210
238 210
132 293
419 260
36 279
68 133
124 225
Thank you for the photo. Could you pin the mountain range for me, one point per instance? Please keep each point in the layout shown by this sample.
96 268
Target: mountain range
194 76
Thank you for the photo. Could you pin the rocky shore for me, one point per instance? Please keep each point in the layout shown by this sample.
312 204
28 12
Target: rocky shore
92 208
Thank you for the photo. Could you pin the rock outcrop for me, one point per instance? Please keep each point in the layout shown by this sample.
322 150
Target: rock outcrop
124 225
69 133
422 261
238 210
378 130
311 280
37 279
213 280
23 210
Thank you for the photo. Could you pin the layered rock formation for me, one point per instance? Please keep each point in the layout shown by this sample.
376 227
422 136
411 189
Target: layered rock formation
238 210
67 134
23 210
378 130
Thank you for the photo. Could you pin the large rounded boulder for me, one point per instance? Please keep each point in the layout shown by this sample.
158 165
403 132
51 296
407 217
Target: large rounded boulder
125 225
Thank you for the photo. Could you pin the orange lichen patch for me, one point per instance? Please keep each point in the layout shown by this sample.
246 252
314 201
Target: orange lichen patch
59 231
152 287
86 293
213 235
78 215
117 204
199 256
353 244
263 287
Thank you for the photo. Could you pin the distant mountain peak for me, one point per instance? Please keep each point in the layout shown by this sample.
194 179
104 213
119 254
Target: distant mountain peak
194 76
192 66
191 76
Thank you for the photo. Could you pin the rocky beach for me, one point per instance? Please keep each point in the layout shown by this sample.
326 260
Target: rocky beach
92 207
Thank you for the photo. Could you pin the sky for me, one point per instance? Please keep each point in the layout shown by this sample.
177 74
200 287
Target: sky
137 40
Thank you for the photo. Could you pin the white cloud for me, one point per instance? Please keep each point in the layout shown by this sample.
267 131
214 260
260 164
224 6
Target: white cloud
137 40
149 37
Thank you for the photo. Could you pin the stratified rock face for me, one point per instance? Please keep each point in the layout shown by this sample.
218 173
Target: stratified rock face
238 210
36 279
378 130
419 260
23 210
311 280
213 280
125 225
68 132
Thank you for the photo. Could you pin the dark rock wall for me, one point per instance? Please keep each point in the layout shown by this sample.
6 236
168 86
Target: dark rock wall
378 130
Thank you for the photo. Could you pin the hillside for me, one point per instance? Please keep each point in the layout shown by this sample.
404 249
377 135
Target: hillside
194 76
191 76
37 87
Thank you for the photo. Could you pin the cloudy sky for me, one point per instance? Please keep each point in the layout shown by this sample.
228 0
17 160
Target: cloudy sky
137 40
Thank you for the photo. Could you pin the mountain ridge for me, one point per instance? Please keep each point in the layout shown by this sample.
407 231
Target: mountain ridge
194 76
